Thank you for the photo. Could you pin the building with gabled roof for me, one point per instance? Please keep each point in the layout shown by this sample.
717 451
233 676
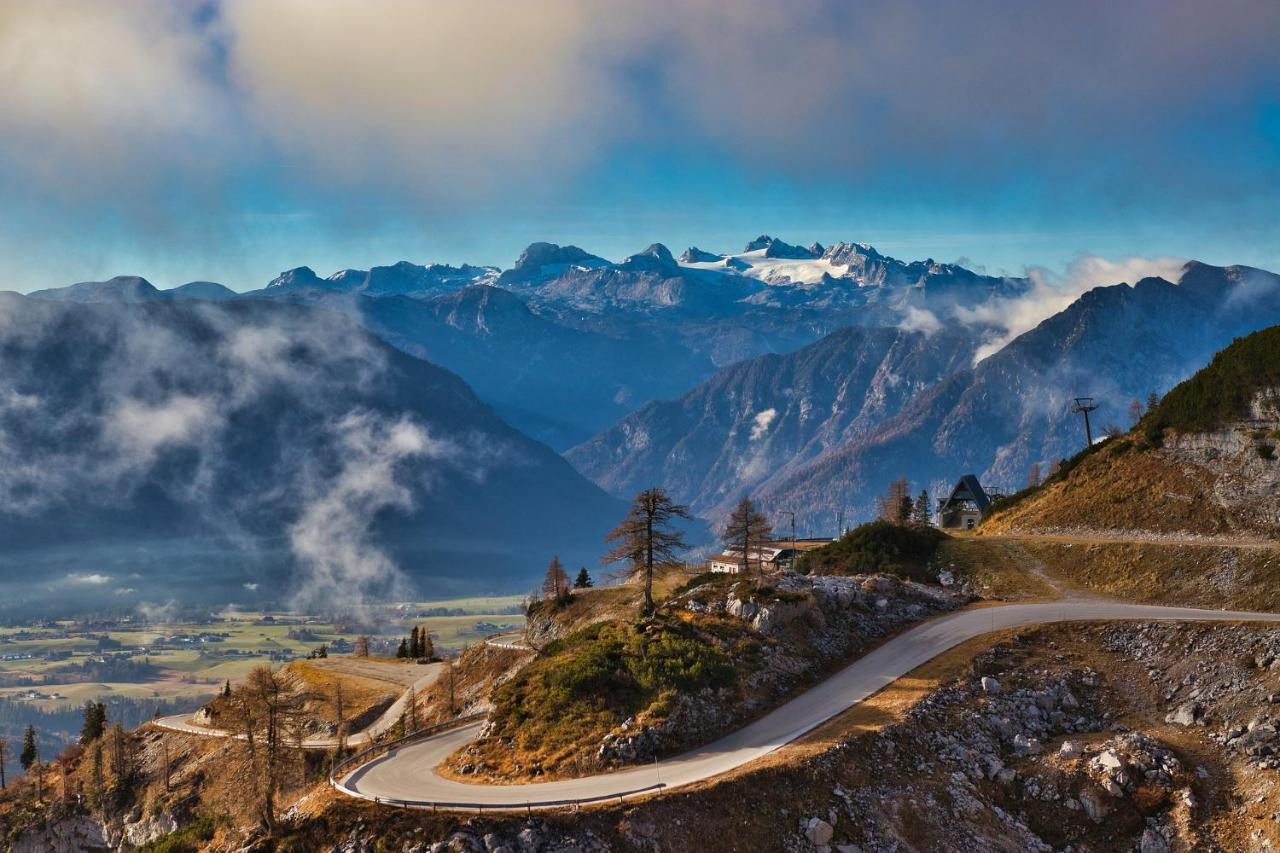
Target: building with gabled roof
964 507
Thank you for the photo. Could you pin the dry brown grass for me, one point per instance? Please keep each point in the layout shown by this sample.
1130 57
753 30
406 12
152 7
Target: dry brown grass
1122 487
1193 574
359 693
997 569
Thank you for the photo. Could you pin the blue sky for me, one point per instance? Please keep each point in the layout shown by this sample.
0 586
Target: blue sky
231 140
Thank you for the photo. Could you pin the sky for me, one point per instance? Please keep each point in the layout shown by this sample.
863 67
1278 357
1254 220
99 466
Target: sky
231 140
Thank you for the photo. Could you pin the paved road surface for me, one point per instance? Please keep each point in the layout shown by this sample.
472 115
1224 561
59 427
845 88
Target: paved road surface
388 718
514 641
408 772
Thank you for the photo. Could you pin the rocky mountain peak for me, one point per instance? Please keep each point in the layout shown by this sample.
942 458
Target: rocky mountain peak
694 255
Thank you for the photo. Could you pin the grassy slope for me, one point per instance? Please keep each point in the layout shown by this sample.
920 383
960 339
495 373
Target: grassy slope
1130 483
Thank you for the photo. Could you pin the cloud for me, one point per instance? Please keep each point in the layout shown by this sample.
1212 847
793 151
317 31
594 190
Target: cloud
332 536
457 97
761 422
137 427
111 101
105 404
919 320
93 579
1052 292
459 101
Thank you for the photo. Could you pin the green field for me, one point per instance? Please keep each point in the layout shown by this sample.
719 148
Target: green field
195 671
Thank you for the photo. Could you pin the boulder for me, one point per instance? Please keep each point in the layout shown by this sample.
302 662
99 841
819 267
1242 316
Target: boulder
818 831
1187 714
990 686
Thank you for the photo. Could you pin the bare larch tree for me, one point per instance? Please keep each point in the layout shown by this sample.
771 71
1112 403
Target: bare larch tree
746 531
646 538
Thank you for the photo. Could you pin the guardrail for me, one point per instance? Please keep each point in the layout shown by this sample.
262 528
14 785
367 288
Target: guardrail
348 764
344 767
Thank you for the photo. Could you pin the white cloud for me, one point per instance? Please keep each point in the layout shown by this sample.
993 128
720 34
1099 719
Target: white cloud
331 537
143 429
920 320
761 422
1052 292
92 579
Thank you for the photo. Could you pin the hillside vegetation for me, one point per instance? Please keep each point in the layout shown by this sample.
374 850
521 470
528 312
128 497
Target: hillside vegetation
1201 462
719 652
1224 391
878 546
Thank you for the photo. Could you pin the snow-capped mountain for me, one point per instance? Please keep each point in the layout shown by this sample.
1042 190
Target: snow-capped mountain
403 279
1116 344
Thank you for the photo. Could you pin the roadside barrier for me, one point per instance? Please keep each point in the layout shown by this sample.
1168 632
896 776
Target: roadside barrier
348 765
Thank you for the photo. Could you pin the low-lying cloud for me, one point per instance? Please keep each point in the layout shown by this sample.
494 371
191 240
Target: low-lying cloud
99 403
1051 292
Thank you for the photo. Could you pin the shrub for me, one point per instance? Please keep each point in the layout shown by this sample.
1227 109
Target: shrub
1222 391
188 839
879 546
1266 451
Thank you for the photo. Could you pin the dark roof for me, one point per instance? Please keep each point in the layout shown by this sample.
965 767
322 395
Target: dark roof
968 489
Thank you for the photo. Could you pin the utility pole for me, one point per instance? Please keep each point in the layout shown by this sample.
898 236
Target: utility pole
1084 405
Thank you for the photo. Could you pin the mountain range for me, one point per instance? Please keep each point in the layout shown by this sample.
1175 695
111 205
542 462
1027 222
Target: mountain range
806 376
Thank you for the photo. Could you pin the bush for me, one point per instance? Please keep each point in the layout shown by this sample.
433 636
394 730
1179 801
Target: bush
1220 392
1266 451
612 665
188 839
879 546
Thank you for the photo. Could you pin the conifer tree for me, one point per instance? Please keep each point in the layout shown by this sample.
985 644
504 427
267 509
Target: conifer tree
921 515
403 650
95 722
583 580
555 586
645 538
30 749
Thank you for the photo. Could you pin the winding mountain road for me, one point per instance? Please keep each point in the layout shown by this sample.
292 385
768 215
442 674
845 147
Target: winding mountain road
385 721
407 775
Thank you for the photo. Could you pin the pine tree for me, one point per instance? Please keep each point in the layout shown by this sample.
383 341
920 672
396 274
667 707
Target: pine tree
920 514
30 750
226 689
95 722
426 647
403 650
415 649
746 531
1033 476
645 538
583 580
